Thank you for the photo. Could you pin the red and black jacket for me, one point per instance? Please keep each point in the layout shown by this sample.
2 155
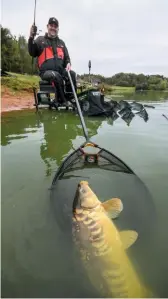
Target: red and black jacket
51 53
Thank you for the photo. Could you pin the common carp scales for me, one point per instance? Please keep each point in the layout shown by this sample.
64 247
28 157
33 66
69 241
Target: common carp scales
102 247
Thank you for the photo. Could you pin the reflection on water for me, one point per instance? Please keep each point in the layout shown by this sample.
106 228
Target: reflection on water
37 254
143 96
58 137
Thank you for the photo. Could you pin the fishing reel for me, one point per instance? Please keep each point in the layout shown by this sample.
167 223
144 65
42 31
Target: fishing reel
39 32
35 31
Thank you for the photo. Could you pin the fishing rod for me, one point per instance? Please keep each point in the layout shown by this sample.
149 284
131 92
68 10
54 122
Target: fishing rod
34 30
34 22
34 12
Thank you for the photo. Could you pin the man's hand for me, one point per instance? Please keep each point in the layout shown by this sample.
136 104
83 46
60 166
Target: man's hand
33 31
68 67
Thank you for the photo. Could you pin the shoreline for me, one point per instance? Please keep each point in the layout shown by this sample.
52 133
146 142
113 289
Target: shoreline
15 101
23 100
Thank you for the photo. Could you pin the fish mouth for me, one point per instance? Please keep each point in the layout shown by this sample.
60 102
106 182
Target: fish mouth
83 183
83 197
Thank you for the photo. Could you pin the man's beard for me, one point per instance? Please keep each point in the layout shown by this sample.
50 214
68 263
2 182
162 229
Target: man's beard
53 34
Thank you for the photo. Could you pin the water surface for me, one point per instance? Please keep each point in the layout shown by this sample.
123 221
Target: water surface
37 255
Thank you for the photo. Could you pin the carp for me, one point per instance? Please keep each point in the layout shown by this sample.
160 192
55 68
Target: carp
102 247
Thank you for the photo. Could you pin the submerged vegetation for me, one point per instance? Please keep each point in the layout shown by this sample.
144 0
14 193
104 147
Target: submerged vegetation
24 73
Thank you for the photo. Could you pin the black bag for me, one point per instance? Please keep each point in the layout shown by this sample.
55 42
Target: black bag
92 103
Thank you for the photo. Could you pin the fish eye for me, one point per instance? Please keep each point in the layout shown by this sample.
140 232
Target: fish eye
82 190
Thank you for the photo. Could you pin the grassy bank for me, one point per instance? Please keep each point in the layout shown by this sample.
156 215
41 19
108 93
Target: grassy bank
17 83
112 89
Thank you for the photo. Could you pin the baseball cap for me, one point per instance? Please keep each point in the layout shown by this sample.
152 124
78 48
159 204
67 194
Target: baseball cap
53 21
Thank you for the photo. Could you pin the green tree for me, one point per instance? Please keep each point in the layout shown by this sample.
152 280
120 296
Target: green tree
14 53
162 85
6 49
25 58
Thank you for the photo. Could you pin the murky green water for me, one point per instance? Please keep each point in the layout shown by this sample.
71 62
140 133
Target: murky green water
37 255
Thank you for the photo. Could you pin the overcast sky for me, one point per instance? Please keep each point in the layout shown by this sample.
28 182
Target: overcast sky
116 35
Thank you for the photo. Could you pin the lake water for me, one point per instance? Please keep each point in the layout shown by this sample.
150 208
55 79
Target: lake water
37 254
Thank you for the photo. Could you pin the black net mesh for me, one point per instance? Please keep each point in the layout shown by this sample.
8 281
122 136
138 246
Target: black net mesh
108 177
111 162
70 162
91 156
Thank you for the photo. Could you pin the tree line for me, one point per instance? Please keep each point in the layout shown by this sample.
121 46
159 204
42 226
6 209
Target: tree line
15 58
14 54
139 81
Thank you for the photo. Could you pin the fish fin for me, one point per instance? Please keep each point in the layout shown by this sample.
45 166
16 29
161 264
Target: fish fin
113 207
128 237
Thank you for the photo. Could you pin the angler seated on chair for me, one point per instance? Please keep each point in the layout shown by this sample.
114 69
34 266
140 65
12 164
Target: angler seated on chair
53 58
